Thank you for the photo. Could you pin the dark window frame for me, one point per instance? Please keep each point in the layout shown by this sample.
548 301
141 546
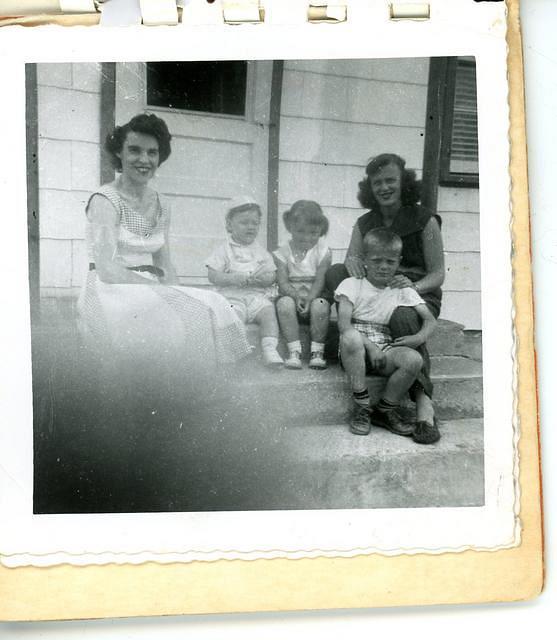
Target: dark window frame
448 178
204 113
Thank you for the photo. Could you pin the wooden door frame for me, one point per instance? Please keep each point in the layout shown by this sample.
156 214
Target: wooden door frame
108 117
273 155
32 159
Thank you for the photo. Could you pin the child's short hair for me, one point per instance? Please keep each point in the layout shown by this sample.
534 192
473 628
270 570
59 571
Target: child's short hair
306 212
383 237
241 204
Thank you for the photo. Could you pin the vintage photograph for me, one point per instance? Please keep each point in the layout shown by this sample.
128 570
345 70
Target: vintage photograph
255 285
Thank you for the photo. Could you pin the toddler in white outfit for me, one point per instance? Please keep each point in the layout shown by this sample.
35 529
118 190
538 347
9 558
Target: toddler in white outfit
244 272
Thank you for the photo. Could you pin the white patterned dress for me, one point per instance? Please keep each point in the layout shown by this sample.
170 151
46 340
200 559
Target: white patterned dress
154 320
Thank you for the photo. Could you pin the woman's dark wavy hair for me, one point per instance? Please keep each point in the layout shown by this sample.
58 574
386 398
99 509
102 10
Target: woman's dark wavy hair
146 123
410 188
308 212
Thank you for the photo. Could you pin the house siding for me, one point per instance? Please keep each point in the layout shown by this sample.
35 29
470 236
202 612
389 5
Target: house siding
69 131
334 116
460 212
337 114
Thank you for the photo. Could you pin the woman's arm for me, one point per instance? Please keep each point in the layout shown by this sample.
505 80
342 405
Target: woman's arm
162 259
104 222
319 282
428 325
354 261
434 258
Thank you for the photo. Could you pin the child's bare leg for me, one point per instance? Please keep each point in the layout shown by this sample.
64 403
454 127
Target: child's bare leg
352 352
402 366
319 319
288 318
267 321
319 325
269 329
288 321
405 364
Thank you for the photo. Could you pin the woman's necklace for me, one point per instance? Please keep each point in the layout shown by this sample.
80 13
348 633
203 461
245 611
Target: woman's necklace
299 254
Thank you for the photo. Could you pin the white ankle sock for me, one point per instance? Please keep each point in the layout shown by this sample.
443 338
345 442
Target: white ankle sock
295 346
317 346
269 344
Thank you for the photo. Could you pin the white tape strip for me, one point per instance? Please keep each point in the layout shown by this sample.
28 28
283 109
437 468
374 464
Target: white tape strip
200 12
240 12
158 12
38 7
77 6
286 12
120 13
325 12
410 11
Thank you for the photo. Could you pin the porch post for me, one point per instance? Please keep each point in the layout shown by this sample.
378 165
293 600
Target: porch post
32 120
108 108
273 155
433 128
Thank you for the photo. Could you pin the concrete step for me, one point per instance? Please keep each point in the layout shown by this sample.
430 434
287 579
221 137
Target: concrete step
323 397
326 467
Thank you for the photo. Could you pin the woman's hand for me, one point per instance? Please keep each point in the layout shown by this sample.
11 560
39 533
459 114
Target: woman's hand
401 281
355 267
413 342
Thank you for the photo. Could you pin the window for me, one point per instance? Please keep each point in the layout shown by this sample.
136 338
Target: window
459 141
211 87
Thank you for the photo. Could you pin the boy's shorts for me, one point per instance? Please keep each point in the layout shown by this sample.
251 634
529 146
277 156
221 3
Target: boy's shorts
379 334
247 304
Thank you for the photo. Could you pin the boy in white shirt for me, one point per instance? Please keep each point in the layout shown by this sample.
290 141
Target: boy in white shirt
365 307
245 273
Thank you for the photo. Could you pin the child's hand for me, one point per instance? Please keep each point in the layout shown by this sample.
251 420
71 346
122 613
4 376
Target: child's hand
242 280
376 357
408 341
302 305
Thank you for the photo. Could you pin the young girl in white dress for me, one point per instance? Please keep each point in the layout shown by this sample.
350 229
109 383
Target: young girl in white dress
301 266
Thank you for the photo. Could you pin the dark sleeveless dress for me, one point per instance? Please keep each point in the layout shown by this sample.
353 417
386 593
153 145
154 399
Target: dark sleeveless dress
409 224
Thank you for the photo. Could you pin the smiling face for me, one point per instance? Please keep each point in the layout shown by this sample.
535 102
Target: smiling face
305 236
382 262
139 157
386 186
244 226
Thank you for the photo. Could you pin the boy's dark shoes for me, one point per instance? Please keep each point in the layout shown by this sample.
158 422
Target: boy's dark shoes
359 421
426 433
391 421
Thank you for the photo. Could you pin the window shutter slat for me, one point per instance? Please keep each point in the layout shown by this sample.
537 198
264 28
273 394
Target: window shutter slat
464 139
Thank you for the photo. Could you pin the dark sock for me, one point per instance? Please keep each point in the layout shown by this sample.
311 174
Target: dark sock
361 397
385 406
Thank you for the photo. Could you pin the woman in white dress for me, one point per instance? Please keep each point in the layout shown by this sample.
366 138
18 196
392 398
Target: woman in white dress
132 305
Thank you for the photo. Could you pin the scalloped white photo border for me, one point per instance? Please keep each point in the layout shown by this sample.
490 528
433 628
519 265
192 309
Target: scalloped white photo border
457 27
